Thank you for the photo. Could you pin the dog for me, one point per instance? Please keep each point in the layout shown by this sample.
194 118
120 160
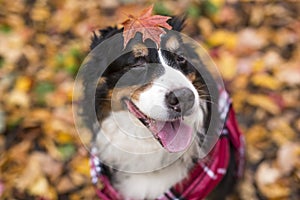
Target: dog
155 117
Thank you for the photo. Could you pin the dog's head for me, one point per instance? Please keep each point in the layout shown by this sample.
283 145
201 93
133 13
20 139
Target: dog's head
150 90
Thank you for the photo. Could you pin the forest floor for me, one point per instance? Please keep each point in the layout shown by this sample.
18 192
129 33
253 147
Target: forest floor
256 47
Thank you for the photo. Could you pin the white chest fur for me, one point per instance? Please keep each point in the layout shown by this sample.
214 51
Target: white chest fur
150 185
145 169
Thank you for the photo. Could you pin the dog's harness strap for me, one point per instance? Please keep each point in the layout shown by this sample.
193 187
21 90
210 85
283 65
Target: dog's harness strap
104 190
206 174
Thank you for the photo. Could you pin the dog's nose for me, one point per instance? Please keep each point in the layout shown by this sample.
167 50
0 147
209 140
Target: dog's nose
180 100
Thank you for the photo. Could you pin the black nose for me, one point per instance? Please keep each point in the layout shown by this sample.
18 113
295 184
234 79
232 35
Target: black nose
180 100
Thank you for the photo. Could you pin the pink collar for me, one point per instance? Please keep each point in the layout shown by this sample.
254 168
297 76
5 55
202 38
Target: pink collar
205 175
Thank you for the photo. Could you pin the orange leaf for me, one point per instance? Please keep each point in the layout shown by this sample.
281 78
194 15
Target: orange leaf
149 25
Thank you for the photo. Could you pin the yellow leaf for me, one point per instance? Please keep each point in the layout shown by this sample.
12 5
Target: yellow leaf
83 167
263 102
240 82
42 188
40 13
239 98
218 3
266 81
283 132
258 65
223 38
64 137
227 65
69 61
256 134
23 84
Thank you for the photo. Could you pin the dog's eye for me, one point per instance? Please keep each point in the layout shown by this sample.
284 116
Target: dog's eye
180 59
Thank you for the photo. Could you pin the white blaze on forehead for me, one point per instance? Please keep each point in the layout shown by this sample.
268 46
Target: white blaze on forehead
175 78
152 100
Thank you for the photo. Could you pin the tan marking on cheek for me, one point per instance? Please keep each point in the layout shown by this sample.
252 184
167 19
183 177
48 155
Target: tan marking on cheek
140 50
191 76
137 92
101 81
172 44
113 100
117 94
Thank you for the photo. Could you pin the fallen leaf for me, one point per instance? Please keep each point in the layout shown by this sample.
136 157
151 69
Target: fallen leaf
64 137
18 99
282 131
23 84
256 134
78 179
81 165
264 102
41 188
289 75
205 26
32 171
147 24
40 13
109 4
266 81
223 38
287 157
267 178
67 150
245 188
49 166
254 154
65 185
272 59
275 191
227 64
42 89
249 40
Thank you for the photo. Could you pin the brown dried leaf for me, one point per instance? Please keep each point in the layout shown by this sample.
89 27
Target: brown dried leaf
65 184
287 157
264 102
267 178
41 188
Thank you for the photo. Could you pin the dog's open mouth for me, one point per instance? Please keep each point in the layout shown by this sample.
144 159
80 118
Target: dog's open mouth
174 135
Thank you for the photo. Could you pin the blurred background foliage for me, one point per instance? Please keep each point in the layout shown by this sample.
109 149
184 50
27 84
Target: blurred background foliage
43 42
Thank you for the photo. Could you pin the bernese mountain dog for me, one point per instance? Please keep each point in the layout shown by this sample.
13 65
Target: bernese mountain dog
163 127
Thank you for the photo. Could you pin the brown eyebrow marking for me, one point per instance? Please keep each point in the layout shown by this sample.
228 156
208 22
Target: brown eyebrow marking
140 50
101 81
191 76
172 43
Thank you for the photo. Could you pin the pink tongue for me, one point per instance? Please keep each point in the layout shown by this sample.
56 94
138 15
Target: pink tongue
175 136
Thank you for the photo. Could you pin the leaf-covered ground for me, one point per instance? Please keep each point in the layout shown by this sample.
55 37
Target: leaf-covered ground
42 44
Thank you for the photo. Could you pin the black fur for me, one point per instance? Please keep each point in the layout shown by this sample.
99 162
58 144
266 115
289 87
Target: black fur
104 34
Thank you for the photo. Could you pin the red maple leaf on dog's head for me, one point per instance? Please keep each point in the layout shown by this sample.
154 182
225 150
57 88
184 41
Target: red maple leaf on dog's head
151 26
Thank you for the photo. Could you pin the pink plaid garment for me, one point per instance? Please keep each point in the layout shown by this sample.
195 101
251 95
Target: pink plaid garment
205 175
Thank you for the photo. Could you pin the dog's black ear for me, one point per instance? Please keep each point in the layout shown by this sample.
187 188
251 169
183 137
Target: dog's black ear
177 22
103 34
